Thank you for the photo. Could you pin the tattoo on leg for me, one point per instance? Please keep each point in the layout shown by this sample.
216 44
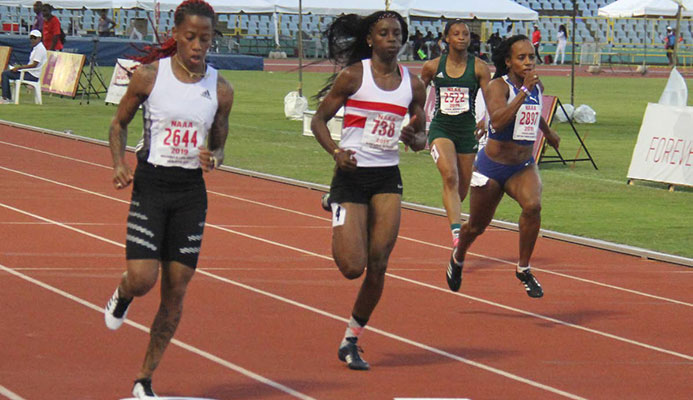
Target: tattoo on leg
163 328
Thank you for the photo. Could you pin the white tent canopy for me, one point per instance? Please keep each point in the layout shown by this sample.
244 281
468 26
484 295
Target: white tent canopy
646 8
466 9
333 7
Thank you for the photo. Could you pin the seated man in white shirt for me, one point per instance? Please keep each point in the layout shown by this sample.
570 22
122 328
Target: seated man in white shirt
37 58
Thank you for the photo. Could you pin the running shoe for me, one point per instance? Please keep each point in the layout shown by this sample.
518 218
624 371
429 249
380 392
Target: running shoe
349 353
454 274
325 202
531 283
142 389
116 310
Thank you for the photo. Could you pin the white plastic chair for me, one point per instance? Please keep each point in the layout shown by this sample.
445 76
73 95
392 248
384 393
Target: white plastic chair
35 85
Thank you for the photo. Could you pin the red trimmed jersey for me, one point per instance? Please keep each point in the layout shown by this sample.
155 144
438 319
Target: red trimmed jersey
373 120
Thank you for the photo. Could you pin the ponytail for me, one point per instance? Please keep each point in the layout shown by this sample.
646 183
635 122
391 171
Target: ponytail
168 47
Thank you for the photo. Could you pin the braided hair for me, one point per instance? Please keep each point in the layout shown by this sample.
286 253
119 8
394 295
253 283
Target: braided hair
347 44
502 53
168 47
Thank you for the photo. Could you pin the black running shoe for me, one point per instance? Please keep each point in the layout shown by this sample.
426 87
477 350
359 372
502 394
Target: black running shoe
454 274
142 389
531 283
350 354
325 202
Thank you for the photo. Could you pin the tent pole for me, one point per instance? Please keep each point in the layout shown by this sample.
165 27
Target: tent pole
572 58
300 48
676 32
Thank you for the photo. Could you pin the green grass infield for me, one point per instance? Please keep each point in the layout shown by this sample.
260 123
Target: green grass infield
577 199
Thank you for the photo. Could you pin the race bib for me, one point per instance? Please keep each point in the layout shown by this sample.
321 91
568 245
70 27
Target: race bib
382 130
176 144
527 122
454 100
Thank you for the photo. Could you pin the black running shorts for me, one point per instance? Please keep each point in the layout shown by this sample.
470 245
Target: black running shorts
167 214
360 185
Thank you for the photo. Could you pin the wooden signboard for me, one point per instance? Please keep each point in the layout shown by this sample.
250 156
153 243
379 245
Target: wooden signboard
62 73
5 52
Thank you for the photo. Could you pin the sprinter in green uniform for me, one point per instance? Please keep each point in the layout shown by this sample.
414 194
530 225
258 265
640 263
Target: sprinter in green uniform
453 134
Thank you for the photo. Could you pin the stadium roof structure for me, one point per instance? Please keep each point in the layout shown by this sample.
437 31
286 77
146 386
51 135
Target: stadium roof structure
646 8
466 9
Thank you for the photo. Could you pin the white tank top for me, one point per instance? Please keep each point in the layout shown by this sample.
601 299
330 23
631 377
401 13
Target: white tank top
373 120
177 118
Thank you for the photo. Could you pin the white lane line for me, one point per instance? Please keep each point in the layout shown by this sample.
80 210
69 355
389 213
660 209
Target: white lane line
276 297
10 394
183 345
499 260
422 242
499 305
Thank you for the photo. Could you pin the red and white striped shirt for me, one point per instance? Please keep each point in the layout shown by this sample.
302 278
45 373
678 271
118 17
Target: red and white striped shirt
373 120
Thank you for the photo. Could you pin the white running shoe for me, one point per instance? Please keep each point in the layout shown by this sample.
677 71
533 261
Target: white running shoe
143 389
116 310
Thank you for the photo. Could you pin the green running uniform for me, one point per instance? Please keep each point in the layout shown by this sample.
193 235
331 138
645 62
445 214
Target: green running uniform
454 117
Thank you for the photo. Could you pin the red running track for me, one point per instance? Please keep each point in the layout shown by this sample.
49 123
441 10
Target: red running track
265 312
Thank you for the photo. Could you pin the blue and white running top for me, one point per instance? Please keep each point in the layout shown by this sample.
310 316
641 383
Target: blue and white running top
524 127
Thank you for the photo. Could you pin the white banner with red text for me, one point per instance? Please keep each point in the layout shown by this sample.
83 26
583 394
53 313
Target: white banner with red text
664 150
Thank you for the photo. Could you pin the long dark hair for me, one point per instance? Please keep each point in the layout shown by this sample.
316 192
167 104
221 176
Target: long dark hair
168 47
503 52
561 28
346 40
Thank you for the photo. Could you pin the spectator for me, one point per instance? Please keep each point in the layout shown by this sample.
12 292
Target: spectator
134 33
418 45
38 22
536 42
438 46
37 58
509 30
669 43
106 24
493 41
562 42
24 27
51 29
474 44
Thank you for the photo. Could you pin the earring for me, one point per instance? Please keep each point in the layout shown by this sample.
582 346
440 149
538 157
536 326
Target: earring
370 45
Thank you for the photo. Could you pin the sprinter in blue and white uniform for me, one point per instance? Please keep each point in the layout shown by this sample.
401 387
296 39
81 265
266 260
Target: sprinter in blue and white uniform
506 163
186 106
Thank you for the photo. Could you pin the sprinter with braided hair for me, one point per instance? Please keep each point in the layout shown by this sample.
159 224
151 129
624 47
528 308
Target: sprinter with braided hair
366 191
186 106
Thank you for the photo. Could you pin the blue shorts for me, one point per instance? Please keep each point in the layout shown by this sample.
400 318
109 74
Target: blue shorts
497 171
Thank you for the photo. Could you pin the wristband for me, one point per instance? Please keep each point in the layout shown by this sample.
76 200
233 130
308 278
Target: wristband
215 162
525 90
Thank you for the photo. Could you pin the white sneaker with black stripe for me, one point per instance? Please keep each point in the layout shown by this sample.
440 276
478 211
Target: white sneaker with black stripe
143 389
116 310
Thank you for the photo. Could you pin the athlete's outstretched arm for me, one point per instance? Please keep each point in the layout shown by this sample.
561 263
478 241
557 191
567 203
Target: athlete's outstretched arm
141 84
213 156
